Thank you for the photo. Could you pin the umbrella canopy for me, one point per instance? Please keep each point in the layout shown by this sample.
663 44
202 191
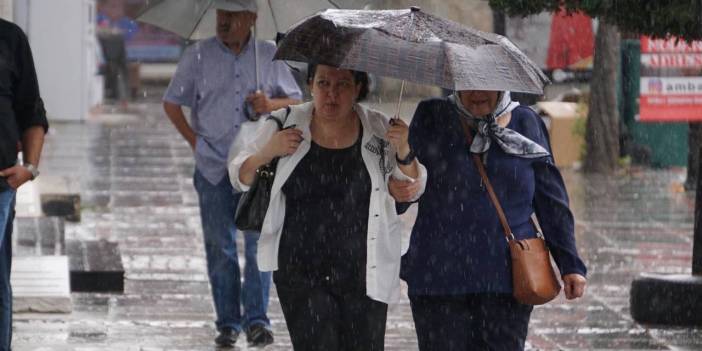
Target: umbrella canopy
414 46
195 19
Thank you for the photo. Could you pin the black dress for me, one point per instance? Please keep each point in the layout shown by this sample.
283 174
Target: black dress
321 276
323 242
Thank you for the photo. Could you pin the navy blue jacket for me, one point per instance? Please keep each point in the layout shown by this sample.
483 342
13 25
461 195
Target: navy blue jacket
457 244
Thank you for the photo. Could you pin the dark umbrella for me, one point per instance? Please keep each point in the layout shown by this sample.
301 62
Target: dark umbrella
412 45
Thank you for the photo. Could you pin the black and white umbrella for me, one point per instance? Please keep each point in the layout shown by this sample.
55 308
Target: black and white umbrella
415 46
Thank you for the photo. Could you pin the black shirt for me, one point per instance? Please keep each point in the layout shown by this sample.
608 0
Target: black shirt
20 104
327 199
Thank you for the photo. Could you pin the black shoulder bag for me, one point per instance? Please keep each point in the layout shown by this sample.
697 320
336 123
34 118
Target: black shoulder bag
253 203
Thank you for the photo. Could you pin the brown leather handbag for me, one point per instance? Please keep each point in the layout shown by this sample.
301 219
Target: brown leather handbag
534 280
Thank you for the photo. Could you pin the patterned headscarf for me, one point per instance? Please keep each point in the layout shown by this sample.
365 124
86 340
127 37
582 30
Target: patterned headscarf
510 141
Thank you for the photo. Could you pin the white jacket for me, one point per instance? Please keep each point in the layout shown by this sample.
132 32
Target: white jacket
385 243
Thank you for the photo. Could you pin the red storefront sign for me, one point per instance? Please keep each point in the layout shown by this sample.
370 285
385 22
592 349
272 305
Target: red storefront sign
671 80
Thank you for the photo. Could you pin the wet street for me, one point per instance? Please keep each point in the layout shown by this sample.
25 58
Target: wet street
135 176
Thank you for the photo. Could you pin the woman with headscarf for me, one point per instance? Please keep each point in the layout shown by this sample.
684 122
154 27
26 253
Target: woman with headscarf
458 266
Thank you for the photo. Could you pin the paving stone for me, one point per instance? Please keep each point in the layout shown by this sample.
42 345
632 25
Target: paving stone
36 236
134 285
61 205
168 308
95 266
27 202
40 284
625 224
163 199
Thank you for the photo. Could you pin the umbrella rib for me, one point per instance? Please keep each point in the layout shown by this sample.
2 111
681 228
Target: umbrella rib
335 4
202 15
275 20
147 7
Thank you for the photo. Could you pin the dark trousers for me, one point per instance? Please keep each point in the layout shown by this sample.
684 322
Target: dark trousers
470 322
328 320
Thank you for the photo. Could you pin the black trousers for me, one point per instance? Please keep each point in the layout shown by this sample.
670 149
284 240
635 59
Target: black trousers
470 322
328 319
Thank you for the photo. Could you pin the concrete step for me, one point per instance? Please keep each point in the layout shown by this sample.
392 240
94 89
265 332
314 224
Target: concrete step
40 284
60 196
61 205
95 266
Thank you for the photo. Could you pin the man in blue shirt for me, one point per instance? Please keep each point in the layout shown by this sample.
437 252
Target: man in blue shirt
22 127
216 80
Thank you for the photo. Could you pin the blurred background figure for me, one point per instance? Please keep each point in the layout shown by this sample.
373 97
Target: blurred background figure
111 14
114 29
114 65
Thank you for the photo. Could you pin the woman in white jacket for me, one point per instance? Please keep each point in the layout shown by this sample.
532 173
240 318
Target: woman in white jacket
331 233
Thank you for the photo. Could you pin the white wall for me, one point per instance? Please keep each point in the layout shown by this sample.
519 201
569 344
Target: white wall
62 36
6 10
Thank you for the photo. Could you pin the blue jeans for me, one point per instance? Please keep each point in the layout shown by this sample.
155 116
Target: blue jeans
7 212
217 207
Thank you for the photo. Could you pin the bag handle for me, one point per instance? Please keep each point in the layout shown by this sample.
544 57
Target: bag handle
269 168
483 174
277 120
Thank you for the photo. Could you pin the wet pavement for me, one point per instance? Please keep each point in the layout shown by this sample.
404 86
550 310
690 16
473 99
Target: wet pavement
135 176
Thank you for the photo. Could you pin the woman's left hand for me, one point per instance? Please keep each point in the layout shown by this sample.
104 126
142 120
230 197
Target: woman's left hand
402 190
398 135
574 285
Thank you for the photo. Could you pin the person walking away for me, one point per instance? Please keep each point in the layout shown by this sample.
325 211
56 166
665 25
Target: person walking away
215 78
458 265
22 127
331 232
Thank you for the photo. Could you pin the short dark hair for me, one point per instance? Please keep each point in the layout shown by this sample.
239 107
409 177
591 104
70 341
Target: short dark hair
359 77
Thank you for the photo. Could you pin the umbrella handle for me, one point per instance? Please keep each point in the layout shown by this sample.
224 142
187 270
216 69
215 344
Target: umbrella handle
255 47
399 99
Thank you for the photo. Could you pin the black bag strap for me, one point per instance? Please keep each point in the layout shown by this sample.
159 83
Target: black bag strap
278 121
268 169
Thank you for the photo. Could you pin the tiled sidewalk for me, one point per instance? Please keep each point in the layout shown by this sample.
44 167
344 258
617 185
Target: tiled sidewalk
135 175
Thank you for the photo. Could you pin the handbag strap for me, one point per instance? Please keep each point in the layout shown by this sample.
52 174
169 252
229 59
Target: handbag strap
483 174
278 121
269 168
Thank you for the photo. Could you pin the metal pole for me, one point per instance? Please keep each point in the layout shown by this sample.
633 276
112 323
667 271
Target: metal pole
399 99
409 36
255 47
697 241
